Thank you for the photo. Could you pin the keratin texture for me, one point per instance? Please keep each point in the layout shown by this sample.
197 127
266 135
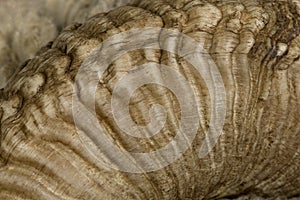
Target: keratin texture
256 47
26 26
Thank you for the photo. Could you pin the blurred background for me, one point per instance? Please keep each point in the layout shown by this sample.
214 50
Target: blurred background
28 25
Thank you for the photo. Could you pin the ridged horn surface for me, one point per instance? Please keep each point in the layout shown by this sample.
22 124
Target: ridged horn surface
255 46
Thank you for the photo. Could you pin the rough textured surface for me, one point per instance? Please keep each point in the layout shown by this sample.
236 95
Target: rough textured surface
255 45
26 26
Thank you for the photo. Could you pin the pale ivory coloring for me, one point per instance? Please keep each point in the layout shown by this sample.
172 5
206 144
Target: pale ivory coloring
255 46
26 26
